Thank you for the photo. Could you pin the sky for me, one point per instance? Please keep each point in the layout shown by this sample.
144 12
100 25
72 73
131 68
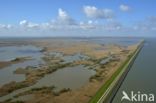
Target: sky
51 18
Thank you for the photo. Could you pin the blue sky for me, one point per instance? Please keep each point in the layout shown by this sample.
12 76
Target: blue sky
77 18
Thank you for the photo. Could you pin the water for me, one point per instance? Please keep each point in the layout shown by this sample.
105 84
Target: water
25 97
69 77
12 52
75 57
69 58
106 60
123 41
142 74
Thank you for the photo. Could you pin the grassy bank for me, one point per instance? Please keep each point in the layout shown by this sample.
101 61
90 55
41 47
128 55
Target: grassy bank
124 66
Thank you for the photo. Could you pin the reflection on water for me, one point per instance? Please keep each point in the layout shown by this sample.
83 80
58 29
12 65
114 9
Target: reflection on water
123 41
12 52
24 98
142 74
106 60
69 77
69 58
75 57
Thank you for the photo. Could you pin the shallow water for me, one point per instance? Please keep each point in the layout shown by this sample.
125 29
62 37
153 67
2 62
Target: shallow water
12 52
24 98
69 58
123 41
106 60
69 77
75 57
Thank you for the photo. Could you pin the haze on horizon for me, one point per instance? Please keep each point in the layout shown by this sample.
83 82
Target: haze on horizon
42 18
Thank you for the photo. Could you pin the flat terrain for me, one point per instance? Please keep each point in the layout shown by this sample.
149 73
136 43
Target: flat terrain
103 59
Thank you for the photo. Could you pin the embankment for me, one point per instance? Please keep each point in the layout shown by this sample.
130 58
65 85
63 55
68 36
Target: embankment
107 92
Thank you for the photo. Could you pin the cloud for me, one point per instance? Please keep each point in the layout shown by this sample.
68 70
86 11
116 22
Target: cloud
62 21
64 18
24 22
7 26
87 25
109 26
64 24
27 24
95 13
113 25
148 24
124 8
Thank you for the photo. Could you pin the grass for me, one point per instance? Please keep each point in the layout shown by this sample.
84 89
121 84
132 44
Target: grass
106 85
9 101
42 88
17 101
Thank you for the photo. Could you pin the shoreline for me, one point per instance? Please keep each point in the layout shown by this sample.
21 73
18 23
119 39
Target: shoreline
4 64
109 93
103 72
